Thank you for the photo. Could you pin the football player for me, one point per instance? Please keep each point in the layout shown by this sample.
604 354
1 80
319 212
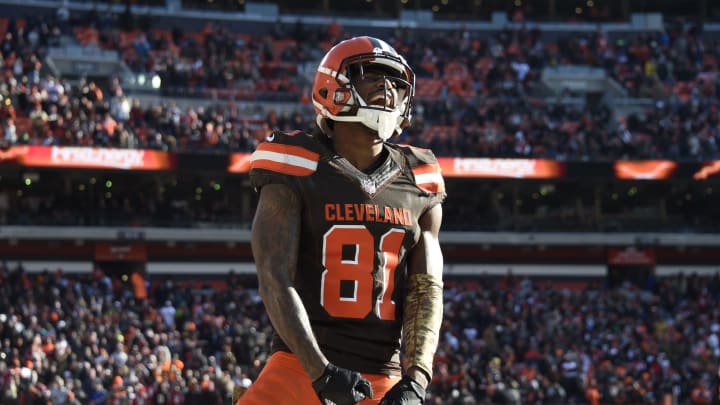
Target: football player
345 239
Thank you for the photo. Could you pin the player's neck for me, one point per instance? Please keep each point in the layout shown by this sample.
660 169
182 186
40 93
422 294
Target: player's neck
358 146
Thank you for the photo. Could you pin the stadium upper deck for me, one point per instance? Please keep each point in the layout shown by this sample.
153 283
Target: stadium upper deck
504 114
555 10
474 85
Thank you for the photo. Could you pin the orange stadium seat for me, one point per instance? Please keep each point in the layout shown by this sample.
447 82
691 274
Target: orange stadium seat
166 34
279 45
428 88
87 36
127 38
198 37
168 37
432 130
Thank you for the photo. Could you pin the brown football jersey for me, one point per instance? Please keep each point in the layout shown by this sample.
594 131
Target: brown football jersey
357 229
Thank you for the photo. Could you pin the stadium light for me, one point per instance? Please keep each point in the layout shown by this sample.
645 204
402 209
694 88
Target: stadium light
156 82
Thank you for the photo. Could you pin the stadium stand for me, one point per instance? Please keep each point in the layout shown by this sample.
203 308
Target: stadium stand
574 275
90 339
469 88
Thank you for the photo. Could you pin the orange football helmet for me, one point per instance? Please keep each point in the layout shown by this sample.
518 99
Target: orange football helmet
335 97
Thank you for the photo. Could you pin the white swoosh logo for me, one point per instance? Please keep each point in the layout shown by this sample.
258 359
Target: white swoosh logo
270 137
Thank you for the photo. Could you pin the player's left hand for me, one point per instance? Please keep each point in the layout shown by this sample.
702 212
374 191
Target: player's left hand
406 392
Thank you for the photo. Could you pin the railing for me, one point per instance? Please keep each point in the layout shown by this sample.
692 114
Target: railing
84 53
455 238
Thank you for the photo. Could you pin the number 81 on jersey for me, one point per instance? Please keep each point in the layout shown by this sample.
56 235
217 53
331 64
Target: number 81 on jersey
359 271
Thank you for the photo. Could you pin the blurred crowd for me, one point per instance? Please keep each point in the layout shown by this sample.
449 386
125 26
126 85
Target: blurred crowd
69 339
518 342
91 340
478 94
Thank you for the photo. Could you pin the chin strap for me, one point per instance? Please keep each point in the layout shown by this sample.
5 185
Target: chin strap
422 320
387 124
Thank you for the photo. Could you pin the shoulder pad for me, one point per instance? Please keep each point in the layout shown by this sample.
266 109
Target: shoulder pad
291 153
425 168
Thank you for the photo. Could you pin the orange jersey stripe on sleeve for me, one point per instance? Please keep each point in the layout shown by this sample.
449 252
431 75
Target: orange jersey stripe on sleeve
429 178
285 159
298 151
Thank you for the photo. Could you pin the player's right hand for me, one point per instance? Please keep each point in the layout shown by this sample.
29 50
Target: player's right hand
339 386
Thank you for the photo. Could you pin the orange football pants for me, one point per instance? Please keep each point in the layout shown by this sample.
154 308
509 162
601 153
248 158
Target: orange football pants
283 381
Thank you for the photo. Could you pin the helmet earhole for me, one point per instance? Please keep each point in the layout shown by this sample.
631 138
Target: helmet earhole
340 97
323 92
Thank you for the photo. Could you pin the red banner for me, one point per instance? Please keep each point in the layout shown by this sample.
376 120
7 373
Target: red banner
631 256
130 252
708 170
88 158
645 170
462 167
239 163
501 168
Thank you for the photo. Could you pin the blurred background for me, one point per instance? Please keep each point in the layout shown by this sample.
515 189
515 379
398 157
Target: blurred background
578 140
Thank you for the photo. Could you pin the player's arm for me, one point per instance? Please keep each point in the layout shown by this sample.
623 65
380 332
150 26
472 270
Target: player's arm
422 316
275 240
424 302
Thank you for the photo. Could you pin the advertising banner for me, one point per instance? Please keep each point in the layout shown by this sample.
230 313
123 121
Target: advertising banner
115 251
88 158
645 169
502 168
631 255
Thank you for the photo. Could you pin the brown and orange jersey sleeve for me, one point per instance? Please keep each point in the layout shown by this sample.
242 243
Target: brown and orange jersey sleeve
282 158
426 172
